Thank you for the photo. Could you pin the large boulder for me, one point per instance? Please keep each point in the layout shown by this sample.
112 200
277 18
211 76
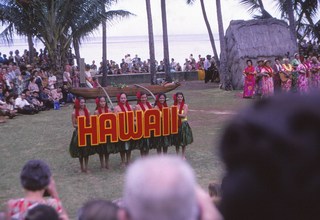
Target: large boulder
255 39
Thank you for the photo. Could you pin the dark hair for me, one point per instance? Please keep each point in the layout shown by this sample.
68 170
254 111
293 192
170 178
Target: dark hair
158 96
35 175
42 212
214 189
180 93
98 210
9 97
272 155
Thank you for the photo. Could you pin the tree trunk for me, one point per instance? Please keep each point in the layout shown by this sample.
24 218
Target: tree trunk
292 22
31 51
151 44
76 50
213 45
264 13
104 50
165 40
224 76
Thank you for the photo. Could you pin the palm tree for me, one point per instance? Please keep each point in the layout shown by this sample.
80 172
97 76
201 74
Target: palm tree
23 15
213 45
111 15
224 79
56 23
165 40
151 43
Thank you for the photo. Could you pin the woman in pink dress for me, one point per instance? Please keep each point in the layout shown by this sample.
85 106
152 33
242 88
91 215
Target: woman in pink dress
249 80
286 79
315 74
303 85
267 72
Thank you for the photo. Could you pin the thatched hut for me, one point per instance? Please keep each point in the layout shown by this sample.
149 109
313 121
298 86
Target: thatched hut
255 39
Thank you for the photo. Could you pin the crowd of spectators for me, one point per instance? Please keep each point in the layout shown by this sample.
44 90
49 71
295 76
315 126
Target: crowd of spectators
136 65
29 88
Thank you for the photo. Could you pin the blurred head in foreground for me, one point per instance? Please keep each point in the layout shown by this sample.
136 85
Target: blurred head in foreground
272 155
163 188
98 210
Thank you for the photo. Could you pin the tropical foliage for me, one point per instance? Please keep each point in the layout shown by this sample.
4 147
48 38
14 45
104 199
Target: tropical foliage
211 37
302 15
56 23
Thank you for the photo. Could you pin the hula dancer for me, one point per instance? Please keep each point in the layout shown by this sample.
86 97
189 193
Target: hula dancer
82 153
143 105
104 150
184 136
163 142
123 146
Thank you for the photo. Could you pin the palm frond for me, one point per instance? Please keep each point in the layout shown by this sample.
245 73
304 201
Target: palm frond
191 2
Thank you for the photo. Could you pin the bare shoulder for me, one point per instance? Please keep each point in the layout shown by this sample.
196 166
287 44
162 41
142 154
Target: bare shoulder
137 107
116 109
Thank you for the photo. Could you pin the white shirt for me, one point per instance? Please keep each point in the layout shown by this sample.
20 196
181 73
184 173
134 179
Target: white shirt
21 103
206 64
52 80
66 76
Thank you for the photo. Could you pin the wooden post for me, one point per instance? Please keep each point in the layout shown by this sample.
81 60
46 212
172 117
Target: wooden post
82 74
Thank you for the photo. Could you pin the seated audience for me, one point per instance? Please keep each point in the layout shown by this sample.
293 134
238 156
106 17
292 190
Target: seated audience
45 97
23 106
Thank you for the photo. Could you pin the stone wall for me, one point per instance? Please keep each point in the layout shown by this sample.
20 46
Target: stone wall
136 78
255 39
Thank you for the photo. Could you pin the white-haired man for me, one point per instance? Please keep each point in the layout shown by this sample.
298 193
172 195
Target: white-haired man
164 188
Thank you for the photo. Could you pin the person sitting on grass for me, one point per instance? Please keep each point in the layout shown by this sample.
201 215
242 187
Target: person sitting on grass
8 108
23 106
46 98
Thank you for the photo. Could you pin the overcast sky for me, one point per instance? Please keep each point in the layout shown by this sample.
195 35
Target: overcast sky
181 18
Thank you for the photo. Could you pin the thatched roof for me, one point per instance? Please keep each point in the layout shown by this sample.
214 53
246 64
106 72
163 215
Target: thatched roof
255 39
263 37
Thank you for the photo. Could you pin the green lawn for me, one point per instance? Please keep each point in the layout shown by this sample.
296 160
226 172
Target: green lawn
47 135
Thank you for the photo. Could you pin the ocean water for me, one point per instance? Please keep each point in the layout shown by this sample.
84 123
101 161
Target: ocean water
180 47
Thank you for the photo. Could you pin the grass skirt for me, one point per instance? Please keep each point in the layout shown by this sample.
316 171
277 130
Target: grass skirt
76 151
124 146
161 141
143 144
106 148
184 136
